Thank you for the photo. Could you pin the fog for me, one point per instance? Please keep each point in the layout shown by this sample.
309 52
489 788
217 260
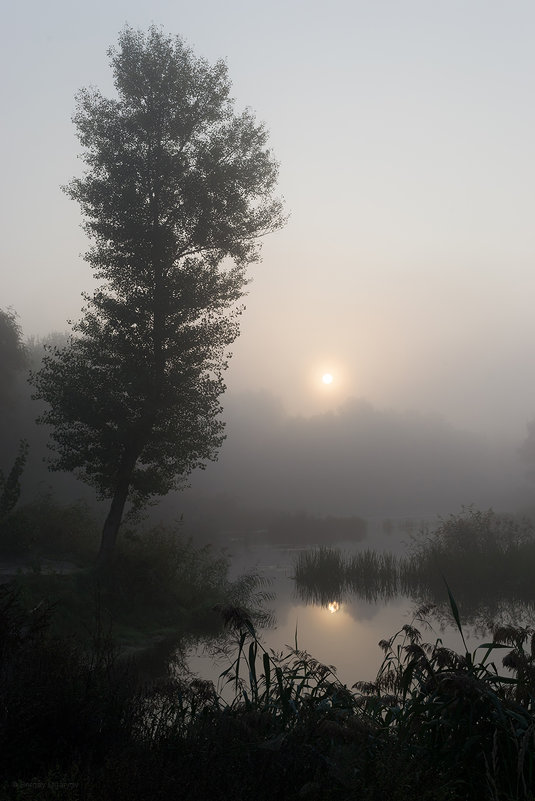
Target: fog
357 460
405 270
404 134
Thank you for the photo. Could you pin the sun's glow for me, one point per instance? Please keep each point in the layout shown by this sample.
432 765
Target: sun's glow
327 378
333 607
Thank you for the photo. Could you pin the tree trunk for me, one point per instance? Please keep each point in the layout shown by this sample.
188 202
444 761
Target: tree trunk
110 530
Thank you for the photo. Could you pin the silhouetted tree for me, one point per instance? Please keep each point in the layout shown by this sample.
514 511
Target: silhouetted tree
13 364
12 357
177 190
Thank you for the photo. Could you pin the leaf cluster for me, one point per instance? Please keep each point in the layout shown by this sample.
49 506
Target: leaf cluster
177 190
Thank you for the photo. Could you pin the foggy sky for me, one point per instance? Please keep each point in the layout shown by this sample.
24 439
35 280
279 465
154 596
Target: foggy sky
405 134
356 460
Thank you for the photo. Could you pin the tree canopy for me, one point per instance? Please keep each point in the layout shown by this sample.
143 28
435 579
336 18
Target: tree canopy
13 366
13 358
177 190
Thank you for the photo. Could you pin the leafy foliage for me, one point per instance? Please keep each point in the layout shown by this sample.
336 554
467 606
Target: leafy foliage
178 189
13 364
13 357
43 527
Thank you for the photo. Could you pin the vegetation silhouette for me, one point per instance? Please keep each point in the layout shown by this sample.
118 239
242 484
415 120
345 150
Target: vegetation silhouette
178 189
435 724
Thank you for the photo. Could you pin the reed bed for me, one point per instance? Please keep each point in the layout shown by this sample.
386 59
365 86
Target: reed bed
487 558
320 575
324 574
374 574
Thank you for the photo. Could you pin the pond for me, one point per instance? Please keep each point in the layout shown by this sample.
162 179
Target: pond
346 631
346 638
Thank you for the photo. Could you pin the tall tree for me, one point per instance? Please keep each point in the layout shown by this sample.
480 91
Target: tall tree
177 191
13 359
13 366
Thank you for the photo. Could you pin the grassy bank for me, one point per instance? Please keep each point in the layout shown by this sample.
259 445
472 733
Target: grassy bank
161 591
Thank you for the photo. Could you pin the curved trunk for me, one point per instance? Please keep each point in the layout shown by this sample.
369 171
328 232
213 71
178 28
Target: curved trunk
110 530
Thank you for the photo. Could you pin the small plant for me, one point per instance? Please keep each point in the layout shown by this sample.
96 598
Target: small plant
283 685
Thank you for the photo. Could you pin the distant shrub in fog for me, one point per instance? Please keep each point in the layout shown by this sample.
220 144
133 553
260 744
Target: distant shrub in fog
475 531
46 527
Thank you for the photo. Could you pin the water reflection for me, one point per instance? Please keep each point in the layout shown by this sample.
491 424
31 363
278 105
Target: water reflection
327 573
340 614
322 596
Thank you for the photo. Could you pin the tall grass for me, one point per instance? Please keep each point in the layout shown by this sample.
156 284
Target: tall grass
375 574
489 559
320 575
458 721
326 574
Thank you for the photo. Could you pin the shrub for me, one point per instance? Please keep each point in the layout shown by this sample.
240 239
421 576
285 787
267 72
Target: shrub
45 527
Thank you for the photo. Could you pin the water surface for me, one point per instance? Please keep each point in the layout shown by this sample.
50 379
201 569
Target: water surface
344 633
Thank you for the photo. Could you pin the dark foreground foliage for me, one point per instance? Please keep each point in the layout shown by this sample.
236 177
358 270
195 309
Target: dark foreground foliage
436 725
160 592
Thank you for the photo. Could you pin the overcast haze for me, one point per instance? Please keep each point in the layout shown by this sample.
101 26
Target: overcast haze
405 135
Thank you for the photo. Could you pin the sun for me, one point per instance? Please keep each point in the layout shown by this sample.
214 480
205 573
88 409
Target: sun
327 378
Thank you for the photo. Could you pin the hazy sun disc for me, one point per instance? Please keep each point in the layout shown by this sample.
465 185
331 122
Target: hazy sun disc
327 378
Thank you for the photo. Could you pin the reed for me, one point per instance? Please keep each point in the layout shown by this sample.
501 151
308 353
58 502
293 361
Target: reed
325 574
320 575
488 558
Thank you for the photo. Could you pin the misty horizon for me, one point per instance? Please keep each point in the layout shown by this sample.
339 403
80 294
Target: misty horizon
358 460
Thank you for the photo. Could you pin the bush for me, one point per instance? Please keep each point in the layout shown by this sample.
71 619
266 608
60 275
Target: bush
161 579
485 556
44 527
159 571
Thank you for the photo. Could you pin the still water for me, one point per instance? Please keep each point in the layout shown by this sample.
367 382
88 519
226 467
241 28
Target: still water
344 633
